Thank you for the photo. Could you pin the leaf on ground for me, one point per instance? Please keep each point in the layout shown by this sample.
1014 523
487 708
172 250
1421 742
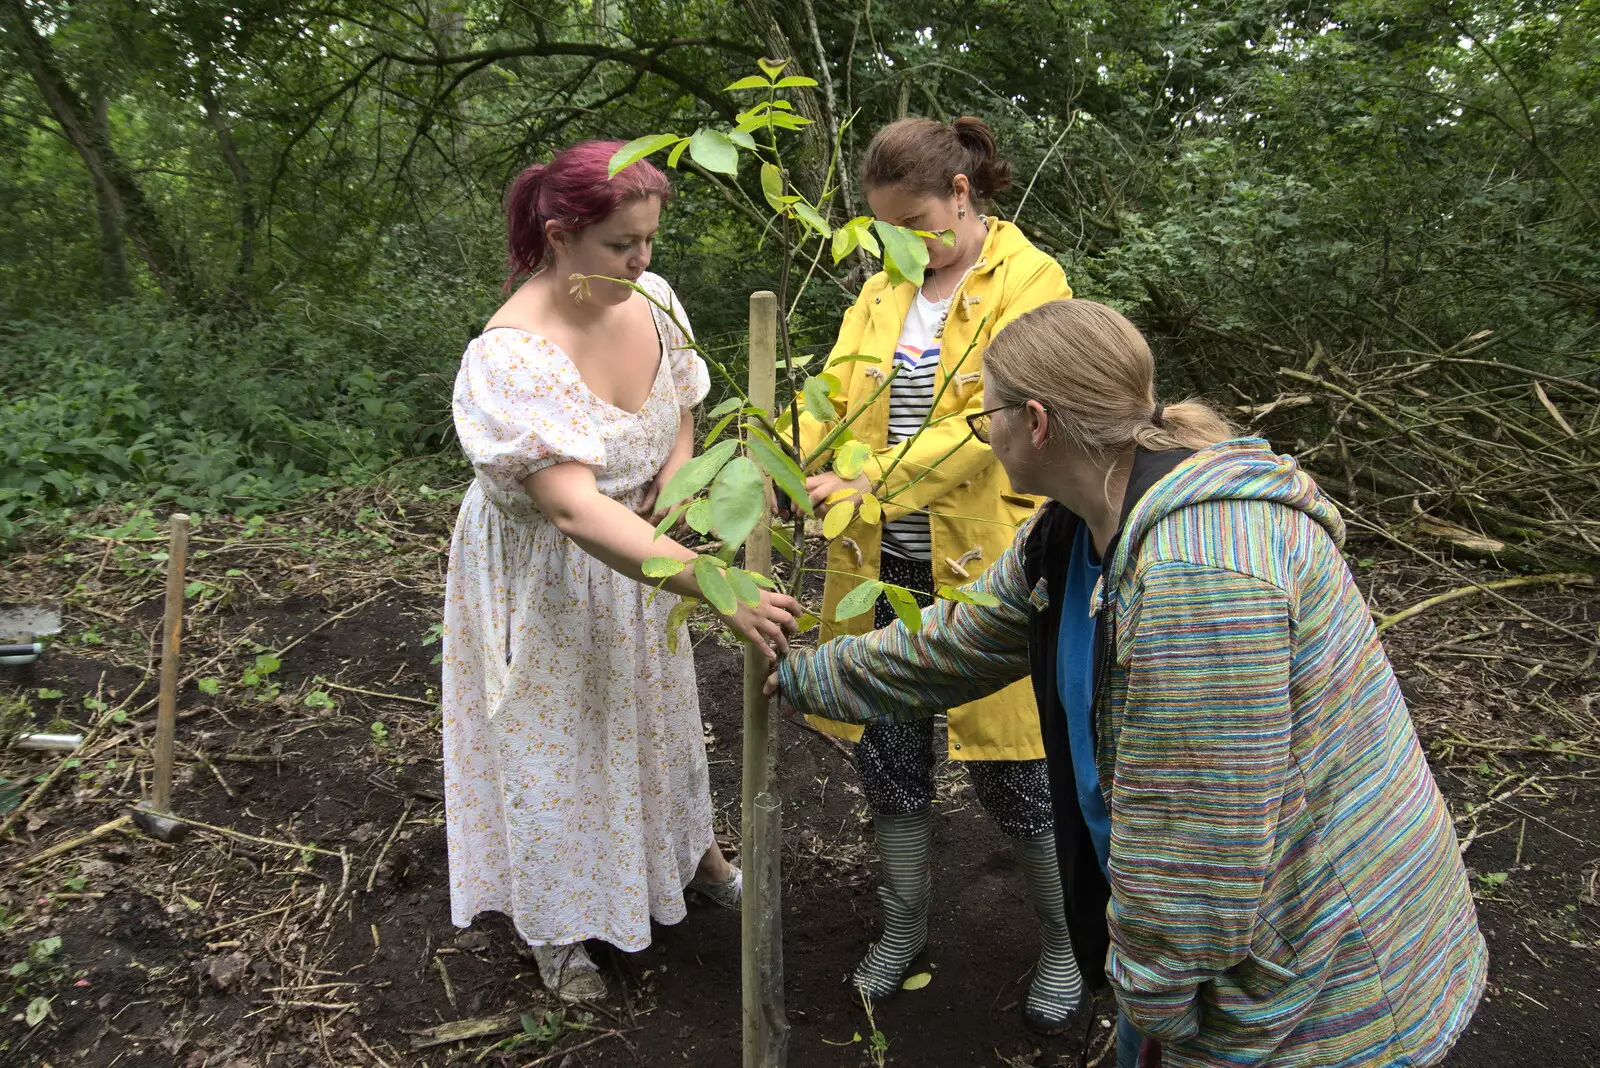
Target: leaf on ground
916 982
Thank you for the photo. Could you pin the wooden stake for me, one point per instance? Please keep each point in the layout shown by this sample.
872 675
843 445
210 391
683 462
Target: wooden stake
765 1026
171 632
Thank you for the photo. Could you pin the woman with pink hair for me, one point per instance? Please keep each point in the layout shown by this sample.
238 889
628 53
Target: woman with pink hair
577 799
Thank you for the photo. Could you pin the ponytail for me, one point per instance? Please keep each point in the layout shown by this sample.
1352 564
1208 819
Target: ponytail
923 157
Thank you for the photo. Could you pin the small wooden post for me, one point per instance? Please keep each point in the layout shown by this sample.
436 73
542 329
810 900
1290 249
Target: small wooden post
171 635
766 1028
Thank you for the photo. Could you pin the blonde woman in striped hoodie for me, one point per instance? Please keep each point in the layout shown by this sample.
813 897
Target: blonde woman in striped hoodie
1252 845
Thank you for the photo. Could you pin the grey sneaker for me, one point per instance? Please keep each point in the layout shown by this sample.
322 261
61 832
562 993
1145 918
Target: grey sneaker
728 894
569 973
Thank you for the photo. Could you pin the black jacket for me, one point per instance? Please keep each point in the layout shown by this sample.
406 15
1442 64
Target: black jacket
1046 555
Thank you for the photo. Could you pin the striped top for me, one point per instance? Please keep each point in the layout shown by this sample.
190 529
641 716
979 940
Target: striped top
1286 884
911 396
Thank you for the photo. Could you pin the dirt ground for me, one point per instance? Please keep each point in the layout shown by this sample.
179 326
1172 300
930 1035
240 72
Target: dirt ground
308 923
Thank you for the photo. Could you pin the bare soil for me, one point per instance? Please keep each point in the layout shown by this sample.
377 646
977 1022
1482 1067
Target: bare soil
312 925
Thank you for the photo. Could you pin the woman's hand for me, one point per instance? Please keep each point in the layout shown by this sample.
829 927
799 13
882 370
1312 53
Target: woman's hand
769 626
825 485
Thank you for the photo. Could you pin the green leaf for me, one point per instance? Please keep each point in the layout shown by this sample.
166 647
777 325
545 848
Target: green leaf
677 153
699 516
794 80
318 699
772 185
749 81
638 149
19 969
859 357
772 67
905 257
744 586
677 618
743 139
721 424
858 600
730 405
713 151
947 238
781 542
917 982
905 606
714 585
47 694
671 519
817 399
46 948
266 664
812 218
845 240
848 458
956 593
783 471
695 475
37 1010
193 589
738 498
661 567
209 686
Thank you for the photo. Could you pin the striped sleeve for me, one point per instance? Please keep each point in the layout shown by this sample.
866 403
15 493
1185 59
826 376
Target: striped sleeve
963 652
1202 757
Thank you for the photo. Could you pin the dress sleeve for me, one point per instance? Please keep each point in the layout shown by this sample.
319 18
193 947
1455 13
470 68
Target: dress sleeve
689 375
520 407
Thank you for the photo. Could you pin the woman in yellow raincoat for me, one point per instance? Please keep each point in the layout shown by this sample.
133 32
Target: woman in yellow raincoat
948 513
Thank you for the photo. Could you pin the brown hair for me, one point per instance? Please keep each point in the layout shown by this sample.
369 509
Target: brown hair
1093 371
923 156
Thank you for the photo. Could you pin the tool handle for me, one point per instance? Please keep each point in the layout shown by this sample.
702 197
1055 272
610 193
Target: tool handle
171 634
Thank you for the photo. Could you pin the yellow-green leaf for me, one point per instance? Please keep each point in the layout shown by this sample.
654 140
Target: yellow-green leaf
638 149
677 618
772 185
849 458
749 81
714 585
837 519
870 510
806 622
905 606
812 218
916 982
858 600
794 80
677 153
671 520
713 151
845 240
956 593
661 567
772 67
780 538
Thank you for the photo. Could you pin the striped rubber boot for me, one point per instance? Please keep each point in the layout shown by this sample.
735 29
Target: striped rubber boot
905 845
1057 990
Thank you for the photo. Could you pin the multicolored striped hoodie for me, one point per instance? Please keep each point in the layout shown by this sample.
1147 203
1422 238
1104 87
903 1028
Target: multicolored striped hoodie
1286 887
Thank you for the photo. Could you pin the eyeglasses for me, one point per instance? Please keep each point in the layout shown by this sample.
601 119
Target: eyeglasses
980 422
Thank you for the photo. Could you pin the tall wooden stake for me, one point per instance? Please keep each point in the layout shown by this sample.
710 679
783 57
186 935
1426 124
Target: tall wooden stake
171 632
766 1028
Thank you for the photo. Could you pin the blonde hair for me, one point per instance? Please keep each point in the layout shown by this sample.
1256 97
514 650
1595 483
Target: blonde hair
1091 368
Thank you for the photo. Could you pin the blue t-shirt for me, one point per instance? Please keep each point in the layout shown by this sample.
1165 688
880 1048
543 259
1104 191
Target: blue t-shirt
1075 668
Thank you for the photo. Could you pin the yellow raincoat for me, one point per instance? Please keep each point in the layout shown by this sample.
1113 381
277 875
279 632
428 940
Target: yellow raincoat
973 510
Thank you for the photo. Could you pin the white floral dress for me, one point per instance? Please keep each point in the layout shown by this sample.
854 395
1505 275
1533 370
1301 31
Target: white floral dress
577 799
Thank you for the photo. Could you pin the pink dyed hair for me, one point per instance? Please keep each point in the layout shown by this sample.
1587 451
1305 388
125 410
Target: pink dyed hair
574 191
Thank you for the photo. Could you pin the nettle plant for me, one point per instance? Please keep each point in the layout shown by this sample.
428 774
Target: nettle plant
721 491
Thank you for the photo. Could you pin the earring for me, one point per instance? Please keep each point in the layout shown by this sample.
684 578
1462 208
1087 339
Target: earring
961 213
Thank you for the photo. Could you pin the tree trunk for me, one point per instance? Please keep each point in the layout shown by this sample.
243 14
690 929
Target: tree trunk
784 34
243 185
113 182
114 282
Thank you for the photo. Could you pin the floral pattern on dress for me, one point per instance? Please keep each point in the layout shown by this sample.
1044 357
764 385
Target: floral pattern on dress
577 799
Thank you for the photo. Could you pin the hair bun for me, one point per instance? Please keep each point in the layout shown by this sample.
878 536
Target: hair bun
988 173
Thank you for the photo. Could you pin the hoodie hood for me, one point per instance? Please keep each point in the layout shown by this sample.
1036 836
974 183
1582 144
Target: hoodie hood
1235 470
